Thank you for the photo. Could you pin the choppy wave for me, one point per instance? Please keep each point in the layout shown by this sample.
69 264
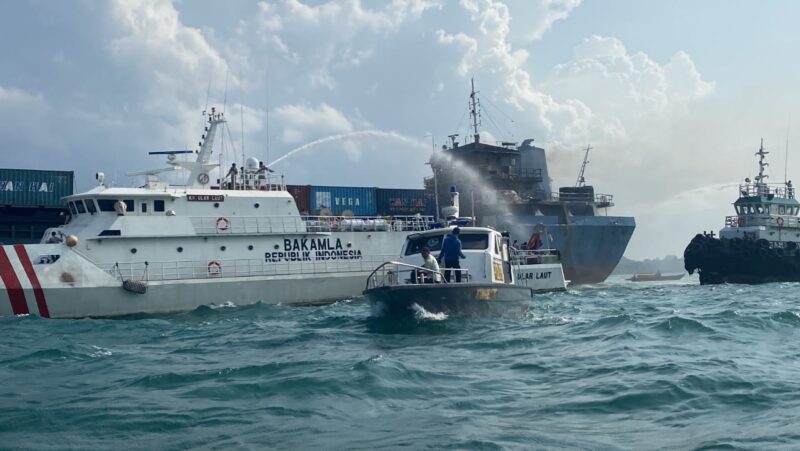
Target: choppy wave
613 366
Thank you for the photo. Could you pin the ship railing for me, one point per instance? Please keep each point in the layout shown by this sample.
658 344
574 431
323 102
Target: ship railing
250 180
782 190
394 273
241 268
246 225
762 220
253 225
603 199
403 223
535 256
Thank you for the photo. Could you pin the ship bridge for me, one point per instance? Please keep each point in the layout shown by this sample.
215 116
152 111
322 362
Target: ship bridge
764 210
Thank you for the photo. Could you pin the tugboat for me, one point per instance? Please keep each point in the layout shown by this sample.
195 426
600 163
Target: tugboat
759 244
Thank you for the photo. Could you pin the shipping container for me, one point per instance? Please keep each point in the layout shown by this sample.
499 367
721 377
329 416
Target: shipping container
25 225
398 202
31 188
302 196
343 200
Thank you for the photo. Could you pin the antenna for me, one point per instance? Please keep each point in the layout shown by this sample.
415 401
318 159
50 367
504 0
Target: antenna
267 119
474 111
581 180
241 118
786 155
762 153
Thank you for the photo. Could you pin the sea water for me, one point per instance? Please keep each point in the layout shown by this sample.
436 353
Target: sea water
614 366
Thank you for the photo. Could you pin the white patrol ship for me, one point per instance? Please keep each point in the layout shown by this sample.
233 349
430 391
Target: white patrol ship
164 248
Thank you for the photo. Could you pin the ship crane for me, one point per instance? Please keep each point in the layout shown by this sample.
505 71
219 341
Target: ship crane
581 179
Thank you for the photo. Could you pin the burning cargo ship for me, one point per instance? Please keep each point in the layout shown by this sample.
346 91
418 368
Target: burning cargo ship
507 186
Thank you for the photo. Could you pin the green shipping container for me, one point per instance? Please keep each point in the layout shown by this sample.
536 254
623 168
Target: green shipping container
32 188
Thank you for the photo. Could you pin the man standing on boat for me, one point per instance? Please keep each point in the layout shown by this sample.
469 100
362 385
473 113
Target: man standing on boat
232 173
451 253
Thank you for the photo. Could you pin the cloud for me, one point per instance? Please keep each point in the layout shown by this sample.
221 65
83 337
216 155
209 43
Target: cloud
319 40
299 122
173 62
613 81
490 55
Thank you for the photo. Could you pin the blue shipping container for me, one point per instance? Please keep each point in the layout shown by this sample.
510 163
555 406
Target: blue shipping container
394 202
31 188
343 200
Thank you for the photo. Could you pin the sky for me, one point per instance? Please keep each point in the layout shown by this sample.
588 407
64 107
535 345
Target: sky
673 97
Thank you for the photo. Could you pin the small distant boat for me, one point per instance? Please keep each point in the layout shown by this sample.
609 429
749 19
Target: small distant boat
654 277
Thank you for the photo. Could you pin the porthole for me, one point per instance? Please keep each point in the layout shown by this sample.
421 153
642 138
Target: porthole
250 247
222 248
180 249
349 244
276 247
216 204
133 250
257 205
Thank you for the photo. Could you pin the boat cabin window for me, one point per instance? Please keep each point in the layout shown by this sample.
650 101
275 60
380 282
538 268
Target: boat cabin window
106 204
91 206
80 206
469 242
498 245
781 210
760 209
144 207
158 205
72 208
130 207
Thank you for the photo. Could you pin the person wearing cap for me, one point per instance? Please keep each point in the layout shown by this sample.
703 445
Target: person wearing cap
430 263
451 253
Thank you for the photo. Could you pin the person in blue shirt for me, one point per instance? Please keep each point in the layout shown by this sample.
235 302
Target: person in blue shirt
451 253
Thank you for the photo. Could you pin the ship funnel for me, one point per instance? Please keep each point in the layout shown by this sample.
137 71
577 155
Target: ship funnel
451 211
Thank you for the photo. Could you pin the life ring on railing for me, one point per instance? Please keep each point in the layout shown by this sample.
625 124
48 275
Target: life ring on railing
740 222
779 221
214 268
223 224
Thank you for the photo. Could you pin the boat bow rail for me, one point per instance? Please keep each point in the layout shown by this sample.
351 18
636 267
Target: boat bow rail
529 257
394 273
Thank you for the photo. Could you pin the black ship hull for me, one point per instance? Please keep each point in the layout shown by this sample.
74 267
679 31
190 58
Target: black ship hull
741 261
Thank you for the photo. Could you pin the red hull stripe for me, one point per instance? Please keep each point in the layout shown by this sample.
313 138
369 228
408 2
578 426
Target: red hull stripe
41 302
13 287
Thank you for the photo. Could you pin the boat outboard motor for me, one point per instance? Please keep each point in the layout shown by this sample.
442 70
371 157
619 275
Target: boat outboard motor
450 212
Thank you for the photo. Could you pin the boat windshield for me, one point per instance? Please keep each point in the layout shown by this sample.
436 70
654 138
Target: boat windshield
469 242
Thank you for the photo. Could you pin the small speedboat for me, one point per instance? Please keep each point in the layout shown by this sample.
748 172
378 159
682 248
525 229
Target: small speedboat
487 284
654 277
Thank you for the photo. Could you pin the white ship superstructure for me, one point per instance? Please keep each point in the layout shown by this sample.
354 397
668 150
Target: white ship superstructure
164 248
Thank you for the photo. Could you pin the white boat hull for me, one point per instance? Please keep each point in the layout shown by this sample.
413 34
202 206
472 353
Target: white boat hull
542 278
74 287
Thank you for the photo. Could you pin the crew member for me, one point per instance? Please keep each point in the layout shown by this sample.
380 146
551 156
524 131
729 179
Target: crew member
430 263
451 253
53 238
232 173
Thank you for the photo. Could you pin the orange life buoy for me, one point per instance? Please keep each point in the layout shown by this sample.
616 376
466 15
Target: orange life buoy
223 224
779 221
214 268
